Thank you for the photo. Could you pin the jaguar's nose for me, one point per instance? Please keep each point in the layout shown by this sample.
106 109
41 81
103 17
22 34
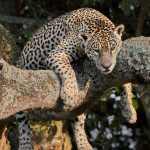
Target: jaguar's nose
107 65
106 60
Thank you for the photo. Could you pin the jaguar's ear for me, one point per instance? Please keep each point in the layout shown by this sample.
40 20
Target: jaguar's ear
119 30
85 36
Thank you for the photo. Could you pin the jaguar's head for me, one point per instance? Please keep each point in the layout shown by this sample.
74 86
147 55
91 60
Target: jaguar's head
103 47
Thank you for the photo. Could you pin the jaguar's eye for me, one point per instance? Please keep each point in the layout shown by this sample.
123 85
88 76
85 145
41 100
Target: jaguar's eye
113 46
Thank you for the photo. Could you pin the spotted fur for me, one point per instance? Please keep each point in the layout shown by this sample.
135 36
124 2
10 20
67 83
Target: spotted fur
25 142
67 38
128 111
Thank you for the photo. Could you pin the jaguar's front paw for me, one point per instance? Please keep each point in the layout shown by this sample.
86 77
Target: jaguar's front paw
70 97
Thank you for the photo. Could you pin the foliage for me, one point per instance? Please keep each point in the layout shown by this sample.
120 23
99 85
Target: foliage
109 131
129 5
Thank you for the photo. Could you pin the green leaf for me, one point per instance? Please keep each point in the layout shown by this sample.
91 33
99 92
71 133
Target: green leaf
135 103
43 128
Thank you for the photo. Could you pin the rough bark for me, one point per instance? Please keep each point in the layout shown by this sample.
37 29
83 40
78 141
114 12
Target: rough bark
8 48
28 88
22 89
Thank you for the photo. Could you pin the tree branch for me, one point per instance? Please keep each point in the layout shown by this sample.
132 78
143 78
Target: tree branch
33 89
141 18
20 20
28 89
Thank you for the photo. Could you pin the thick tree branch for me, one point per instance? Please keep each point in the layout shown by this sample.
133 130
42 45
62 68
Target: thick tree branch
24 89
29 88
